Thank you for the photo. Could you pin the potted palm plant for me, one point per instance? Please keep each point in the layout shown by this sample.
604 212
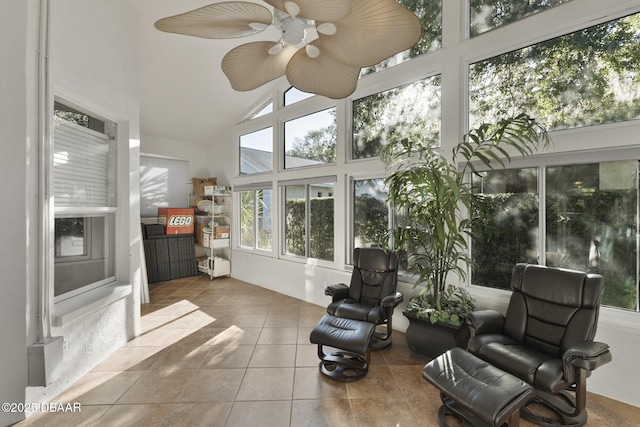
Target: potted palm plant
434 196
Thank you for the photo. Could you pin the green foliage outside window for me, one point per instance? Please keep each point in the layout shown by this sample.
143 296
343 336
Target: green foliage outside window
590 222
489 14
505 234
429 12
584 78
412 111
321 225
371 218
246 219
595 230
254 206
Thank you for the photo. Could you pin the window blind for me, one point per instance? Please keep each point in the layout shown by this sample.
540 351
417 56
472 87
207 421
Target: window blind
80 161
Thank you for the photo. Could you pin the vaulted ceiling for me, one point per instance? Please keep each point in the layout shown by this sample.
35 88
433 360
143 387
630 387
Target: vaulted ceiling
184 94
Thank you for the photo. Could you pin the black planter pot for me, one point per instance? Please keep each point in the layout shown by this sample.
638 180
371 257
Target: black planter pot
430 340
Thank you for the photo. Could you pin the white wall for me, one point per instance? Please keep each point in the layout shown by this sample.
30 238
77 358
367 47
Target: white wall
93 63
18 135
198 155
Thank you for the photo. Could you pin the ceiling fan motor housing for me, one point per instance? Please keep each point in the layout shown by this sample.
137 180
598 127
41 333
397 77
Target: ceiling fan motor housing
294 30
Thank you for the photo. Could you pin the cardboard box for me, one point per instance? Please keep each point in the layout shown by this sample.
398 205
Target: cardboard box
202 237
222 232
176 220
199 185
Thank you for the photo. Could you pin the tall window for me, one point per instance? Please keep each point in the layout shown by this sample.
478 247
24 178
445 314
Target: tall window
590 218
84 171
256 151
255 219
592 224
508 229
584 78
309 218
411 111
489 14
310 140
370 213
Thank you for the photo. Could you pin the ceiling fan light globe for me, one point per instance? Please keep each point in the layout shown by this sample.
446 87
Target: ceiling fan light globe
327 28
275 49
292 8
312 51
258 26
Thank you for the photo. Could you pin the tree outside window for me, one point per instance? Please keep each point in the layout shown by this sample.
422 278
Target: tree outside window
411 111
308 220
591 222
584 78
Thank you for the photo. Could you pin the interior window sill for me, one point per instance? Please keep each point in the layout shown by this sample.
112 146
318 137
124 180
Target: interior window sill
88 302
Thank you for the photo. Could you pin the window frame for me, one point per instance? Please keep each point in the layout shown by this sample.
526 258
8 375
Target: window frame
396 85
351 200
306 183
263 127
284 140
110 213
254 189
544 161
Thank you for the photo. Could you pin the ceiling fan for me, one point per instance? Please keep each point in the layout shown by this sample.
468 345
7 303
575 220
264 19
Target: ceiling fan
322 44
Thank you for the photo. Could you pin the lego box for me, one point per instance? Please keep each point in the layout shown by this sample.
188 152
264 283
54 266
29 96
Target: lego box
176 220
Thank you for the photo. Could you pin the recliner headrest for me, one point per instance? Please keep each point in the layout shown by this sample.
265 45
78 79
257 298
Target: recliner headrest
375 259
558 285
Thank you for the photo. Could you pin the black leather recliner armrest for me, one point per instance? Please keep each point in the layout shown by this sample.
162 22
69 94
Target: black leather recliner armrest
391 301
486 322
337 292
586 355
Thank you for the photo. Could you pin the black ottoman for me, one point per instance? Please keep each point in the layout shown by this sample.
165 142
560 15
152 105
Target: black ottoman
475 390
351 336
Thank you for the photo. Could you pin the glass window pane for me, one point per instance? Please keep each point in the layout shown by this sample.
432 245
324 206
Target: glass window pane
70 237
295 218
370 214
412 111
293 95
263 199
489 14
263 111
247 226
592 224
98 261
256 152
584 78
429 12
321 221
310 140
507 229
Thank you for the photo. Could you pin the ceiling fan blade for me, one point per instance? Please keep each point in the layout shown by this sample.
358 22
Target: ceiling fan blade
373 31
250 65
219 21
322 75
319 10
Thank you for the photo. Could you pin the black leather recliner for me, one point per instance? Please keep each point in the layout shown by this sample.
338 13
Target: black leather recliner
546 338
371 295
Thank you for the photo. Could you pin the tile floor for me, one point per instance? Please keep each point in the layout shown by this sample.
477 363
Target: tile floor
227 353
